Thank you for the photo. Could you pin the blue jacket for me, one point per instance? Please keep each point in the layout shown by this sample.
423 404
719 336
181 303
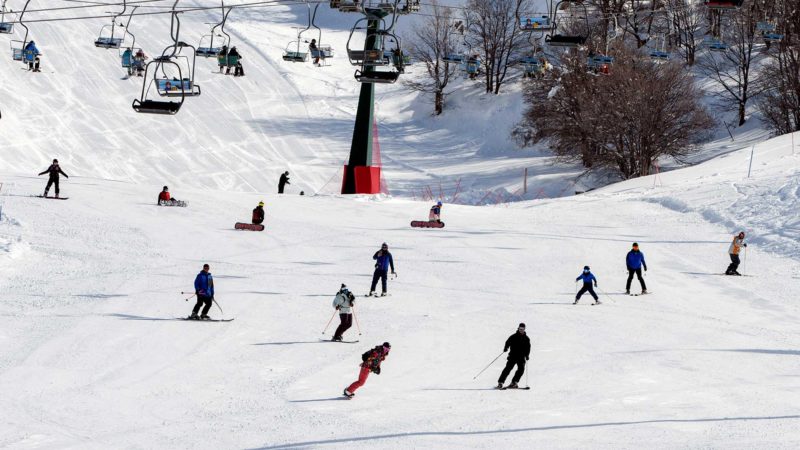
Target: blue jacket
635 260
587 277
204 284
31 47
383 261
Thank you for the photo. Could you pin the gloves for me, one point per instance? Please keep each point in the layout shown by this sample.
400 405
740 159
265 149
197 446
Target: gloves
595 284
337 308
377 370
645 269
527 358
744 245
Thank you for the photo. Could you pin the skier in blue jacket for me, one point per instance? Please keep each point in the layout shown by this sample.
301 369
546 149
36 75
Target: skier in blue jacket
204 289
587 278
383 261
635 262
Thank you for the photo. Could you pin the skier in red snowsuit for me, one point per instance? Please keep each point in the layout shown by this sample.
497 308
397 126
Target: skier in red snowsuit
371 363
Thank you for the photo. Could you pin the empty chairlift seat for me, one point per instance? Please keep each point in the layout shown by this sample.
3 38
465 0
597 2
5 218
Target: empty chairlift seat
350 6
377 76
563 40
366 57
535 23
156 107
724 4
6 27
108 42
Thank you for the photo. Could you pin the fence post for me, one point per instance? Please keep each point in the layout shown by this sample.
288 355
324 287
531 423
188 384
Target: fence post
525 182
752 153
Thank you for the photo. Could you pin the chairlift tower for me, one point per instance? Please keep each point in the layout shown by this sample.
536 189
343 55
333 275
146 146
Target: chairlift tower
360 176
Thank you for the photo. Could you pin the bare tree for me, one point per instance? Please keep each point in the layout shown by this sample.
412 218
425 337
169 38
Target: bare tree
433 40
780 103
611 122
494 24
732 69
686 20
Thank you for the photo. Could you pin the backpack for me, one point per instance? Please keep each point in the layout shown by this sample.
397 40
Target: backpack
366 355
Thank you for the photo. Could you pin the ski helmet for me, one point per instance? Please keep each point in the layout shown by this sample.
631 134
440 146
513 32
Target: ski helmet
438 203
260 203
166 188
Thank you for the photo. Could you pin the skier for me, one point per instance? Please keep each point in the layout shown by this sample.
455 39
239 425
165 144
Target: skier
733 251
222 58
383 261
127 60
164 197
54 170
139 62
233 55
204 289
587 278
283 181
435 213
312 47
31 54
343 303
635 262
258 214
371 362
520 346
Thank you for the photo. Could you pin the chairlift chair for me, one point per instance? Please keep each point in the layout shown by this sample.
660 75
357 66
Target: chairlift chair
772 37
150 106
294 55
600 63
724 4
659 55
16 50
210 50
472 66
368 57
454 58
567 40
347 6
183 86
765 26
715 44
386 6
108 40
377 76
6 27
535 23
410 6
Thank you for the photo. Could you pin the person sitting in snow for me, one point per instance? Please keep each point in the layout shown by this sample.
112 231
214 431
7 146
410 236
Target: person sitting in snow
258 214
435 214
164 198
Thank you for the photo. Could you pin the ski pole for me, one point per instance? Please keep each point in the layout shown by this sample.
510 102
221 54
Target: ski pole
744 263
604 293
356 318
187 298
329 322
490 364
220 308
527 373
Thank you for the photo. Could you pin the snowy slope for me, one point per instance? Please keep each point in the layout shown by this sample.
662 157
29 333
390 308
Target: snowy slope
93 358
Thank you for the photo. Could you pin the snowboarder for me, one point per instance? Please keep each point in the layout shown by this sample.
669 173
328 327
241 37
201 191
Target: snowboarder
520 346
733 251
164 197
283 181
587 278
635 262
435 214
383 261
312 47
54 170
258 214
343 303
204 289
371 362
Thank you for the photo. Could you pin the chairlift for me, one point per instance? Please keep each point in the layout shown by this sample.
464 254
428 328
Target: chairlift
347 6
296 55
210 50
410 6
19 49
368 57
772 37
183 86
715 44
323 51
532 65
568 40
659 53
600 63
454 58
535 23
723 4
472 66
147 104
369 72
107 38
386 6
5 27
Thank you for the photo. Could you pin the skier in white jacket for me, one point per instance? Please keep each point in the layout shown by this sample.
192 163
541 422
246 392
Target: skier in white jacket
343 302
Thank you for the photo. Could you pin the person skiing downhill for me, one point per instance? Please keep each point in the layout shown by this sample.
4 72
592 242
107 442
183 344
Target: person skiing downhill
587 278
371 362
284 180
383 261
258 214
435 214
733 252
343 302
520 345
204 289
54 170
635 262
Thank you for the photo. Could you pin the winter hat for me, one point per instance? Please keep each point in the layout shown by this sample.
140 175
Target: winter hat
166 188
586 268
260 203
522 326
384 245
439 203
55 160
741 234
387 345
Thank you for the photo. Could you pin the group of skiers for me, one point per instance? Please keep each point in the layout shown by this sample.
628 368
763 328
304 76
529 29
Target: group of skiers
228 58
135 62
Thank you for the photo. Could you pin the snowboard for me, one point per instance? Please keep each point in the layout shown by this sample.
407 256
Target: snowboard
426 224
180 203
206 320
339 342
526 388
52 198
248 226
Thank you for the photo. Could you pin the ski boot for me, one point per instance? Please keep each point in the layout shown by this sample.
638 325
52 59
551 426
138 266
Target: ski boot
597 302
383 294
499 386
347 394
644 291
194 316
575 302
371 294
513 386
628 291
336 339
205 317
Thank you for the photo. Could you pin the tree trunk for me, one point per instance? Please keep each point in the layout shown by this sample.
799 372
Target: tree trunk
438 102
741 113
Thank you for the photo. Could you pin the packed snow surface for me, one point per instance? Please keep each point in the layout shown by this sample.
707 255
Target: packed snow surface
93 356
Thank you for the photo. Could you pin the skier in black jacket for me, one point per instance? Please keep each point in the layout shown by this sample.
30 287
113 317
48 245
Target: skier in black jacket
520 346
54 170
283 181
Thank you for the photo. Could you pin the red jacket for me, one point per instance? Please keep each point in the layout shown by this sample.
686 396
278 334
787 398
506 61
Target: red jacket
163 196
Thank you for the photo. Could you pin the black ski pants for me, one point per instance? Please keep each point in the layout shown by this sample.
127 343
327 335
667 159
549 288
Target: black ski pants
638 273
587 287
379 274
520 363
202 300
735 261
50 182
280 188
346 323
